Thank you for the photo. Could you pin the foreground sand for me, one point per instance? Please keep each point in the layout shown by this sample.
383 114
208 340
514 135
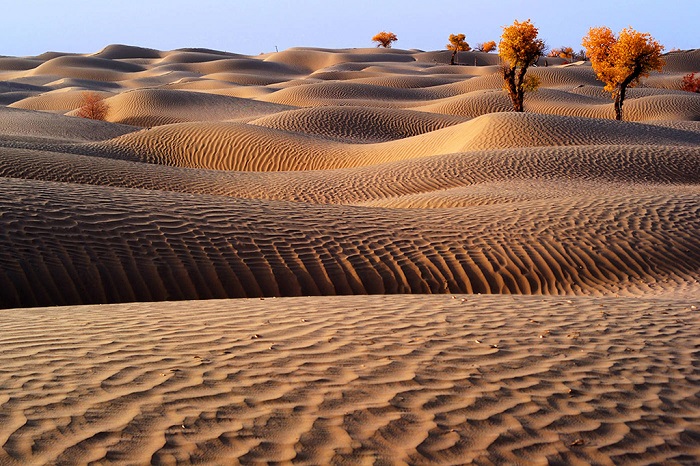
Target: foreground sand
315 172
353 380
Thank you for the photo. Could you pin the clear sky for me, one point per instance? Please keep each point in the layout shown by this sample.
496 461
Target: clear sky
31 27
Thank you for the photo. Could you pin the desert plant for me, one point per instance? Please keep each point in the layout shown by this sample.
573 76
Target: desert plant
92 106
567 53
457 44
487 47
531 83
621 62
519 49
691 83
384 39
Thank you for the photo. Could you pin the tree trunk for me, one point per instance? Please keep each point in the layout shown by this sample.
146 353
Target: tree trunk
452 61
620 97
618 105
519 91
509 78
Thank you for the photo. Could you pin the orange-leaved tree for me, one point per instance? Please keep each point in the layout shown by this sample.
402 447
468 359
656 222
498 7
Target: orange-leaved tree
519 49
621 62
92 106
487 47
384 39
457 44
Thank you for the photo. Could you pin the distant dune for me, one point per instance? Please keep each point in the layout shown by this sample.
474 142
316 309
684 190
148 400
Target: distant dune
313 173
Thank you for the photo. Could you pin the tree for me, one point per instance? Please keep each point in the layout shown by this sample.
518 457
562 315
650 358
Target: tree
691 83
567 53
92 106
621 62
486 46
457 44
384 39
519 49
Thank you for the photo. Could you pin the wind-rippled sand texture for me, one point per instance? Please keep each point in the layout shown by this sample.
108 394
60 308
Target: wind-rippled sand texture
323 172
353 380
345 172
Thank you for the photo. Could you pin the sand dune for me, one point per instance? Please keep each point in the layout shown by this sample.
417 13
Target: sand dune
239 146
128 245
154 107
317 172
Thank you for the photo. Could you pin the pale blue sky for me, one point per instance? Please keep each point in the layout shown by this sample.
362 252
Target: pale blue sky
31 27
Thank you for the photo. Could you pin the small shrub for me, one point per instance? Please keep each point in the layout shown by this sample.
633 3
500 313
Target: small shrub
92 106
384 39
691 83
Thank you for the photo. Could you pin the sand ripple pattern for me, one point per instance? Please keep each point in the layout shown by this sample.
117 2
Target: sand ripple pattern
79 244
378 380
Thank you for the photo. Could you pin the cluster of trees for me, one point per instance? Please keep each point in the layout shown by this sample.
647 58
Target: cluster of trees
619 62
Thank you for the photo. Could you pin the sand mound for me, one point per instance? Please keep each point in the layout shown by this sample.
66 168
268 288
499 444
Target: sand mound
123 52
683 61
349 93
16 123
437 181
61 100
236 146
357 124
82 67
471 105
154 107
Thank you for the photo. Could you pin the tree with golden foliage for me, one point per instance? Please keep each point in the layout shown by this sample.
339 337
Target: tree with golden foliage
384 39
457 44
519 49
567 53
92 106
486 47
621 62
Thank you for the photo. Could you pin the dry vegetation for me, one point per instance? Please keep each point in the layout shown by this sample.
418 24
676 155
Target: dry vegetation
92 106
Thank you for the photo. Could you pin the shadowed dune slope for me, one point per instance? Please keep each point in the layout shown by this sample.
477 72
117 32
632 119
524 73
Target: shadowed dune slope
129 245
358 124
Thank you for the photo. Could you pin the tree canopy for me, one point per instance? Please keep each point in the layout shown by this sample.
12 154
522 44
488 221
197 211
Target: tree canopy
487 47
519 49
384 39
457 44
621 62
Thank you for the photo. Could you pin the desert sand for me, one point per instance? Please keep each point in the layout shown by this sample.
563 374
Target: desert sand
353 256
